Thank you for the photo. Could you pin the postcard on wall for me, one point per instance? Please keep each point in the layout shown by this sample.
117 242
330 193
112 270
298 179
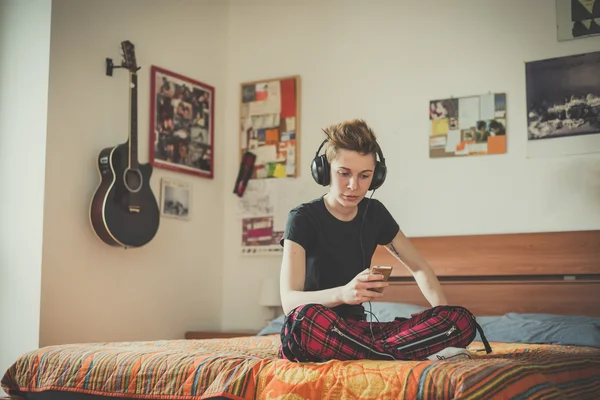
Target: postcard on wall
576 19
176 199
269 126
563 105
259 236
258 200
466 126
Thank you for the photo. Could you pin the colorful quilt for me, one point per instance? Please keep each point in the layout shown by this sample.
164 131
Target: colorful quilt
248 368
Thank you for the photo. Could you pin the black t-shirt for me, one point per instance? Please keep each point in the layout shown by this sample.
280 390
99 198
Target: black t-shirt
333 247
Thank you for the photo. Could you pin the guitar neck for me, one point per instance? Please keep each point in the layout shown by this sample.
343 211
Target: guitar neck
133 134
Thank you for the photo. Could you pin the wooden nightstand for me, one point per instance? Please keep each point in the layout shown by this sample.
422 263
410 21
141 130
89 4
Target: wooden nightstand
218 334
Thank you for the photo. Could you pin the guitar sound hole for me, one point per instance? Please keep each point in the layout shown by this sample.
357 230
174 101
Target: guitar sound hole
133 180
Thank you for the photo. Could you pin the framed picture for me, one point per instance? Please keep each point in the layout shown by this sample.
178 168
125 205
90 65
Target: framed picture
176 199
563 105
181 123
269 126
576 19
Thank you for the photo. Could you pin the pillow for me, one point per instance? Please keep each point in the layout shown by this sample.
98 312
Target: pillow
541 329
272 327
387 311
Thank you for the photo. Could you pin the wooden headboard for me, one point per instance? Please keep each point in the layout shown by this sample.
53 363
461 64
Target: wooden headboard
554 272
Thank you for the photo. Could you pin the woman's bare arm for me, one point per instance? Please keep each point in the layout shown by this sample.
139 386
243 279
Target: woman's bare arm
293 269
426 279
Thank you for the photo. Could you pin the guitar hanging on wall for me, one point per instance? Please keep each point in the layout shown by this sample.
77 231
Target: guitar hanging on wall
124 211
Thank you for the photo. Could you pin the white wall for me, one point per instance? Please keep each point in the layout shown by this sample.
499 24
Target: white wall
383 61
90 291
24 55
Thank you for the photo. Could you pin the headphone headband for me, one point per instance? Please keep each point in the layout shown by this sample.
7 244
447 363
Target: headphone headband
320 168
321 146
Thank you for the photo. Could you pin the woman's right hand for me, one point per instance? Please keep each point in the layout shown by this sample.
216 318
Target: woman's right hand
357 290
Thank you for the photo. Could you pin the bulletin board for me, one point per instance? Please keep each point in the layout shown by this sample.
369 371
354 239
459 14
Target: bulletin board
270 126
467 126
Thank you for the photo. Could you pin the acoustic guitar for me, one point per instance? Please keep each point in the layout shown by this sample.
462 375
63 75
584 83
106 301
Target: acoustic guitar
124 211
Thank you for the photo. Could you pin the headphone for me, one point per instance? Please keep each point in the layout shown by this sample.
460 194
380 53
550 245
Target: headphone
320 169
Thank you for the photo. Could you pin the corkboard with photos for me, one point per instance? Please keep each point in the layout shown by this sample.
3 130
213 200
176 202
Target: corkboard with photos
270 126
467 126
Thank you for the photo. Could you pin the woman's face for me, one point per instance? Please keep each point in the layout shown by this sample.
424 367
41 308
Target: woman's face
351 176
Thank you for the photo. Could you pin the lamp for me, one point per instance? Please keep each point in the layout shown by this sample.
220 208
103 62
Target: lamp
269 295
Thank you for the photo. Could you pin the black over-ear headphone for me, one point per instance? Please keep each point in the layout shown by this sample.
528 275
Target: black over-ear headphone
320 169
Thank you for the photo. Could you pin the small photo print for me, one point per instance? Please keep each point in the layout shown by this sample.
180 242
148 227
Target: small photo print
467 135
442 109
176 199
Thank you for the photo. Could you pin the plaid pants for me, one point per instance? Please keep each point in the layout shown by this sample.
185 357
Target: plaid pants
315 333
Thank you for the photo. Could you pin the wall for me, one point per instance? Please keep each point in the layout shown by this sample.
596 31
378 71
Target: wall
25 54
90 291
381 63
384 63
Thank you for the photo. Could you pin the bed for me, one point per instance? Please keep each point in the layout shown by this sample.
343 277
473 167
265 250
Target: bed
535 295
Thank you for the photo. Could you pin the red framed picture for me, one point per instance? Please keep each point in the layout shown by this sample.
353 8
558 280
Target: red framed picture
181 123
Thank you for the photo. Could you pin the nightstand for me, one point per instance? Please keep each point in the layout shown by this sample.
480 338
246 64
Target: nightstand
218 334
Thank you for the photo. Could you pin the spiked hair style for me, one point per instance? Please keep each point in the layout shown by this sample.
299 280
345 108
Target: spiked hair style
354 135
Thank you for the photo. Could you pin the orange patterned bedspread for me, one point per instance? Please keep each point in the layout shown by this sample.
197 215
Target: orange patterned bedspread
247 368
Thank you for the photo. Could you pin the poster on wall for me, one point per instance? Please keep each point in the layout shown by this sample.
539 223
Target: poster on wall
270 126
260 237
576 19
467 126
563 105
263 211
181 123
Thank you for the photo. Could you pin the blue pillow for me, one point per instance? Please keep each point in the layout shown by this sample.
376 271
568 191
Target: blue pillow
273 327
541 329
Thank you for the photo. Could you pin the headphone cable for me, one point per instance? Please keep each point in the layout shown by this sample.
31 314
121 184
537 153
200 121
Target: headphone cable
364 262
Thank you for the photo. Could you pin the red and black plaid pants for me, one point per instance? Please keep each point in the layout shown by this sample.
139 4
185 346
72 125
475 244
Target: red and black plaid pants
315 333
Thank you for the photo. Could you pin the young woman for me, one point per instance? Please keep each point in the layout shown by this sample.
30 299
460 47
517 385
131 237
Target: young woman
328 244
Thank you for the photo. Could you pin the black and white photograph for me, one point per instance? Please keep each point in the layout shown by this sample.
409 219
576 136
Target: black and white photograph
577 19
176 199
563 96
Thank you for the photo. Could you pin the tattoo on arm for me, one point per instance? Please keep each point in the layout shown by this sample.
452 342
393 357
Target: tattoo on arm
393 250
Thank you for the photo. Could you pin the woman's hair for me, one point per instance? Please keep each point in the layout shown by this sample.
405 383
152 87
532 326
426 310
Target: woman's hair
354 135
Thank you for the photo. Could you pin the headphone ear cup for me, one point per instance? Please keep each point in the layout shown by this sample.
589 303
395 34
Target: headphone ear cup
378 176
325 177
314 169
320 170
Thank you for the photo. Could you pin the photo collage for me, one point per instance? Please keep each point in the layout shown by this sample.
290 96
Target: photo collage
467 126
182 124
268 126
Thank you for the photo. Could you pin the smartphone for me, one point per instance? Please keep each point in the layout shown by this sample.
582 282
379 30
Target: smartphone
385 270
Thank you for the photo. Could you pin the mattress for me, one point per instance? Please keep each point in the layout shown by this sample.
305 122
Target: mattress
248 368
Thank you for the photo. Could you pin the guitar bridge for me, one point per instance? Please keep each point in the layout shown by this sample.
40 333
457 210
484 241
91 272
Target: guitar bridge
134 209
